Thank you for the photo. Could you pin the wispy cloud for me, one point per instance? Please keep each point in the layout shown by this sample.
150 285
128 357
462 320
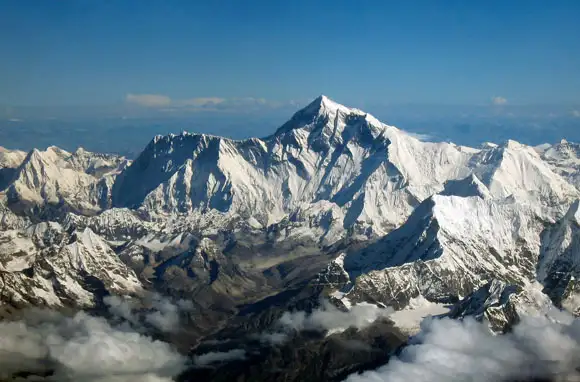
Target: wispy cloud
326 318
165 103
201 101
575 113
497 100
330 318
154 309
148 100
420 136
214 357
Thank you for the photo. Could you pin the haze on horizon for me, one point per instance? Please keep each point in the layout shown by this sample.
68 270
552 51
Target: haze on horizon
104 74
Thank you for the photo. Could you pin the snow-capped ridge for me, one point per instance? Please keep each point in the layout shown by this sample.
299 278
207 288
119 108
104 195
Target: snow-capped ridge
375 173
328 117
447 247
80 181
470 186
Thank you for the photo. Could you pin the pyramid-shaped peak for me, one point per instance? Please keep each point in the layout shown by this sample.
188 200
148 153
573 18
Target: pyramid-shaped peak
323 109
327 102
469 186
514 145
324 105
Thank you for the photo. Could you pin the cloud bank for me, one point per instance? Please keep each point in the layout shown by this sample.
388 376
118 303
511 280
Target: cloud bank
83 348
330 318
450 350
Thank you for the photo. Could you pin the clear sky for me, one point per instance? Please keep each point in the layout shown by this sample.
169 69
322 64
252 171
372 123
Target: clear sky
91 52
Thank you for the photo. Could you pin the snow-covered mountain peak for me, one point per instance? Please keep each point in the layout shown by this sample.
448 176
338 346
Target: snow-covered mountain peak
374 173
488 145
513 145
517 170
564 151
327 120
469 186
54 177
564 159
11 158
323 104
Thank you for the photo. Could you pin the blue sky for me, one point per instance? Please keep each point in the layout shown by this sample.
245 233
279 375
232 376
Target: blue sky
95 52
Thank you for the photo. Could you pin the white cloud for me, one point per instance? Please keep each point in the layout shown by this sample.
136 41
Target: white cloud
575 113
165 314
148 100
420 136
154 309
497 100
451 350
271 338
83 348
330 318
201 101
165 103
213 357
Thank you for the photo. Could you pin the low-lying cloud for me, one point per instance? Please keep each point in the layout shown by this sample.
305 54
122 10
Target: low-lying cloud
215 357
86 348
450 350
330 318
83 348
155 310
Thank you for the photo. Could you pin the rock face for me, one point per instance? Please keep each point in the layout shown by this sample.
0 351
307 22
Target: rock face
501 305
9 162
564 159
44 265
55 179
334 200
327 157
559 262
448 247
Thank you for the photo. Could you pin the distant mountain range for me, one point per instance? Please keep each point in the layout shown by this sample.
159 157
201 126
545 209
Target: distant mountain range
333 205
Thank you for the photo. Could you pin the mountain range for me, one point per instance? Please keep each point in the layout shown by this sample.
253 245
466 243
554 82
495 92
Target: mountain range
333 206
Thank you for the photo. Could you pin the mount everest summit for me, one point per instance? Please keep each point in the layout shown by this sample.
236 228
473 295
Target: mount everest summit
335 204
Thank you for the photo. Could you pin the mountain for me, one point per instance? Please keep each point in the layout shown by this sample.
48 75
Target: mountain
564 159
333 206
80 182
559 260
374 174
500 304
44 265
448 247
326 152
9 161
